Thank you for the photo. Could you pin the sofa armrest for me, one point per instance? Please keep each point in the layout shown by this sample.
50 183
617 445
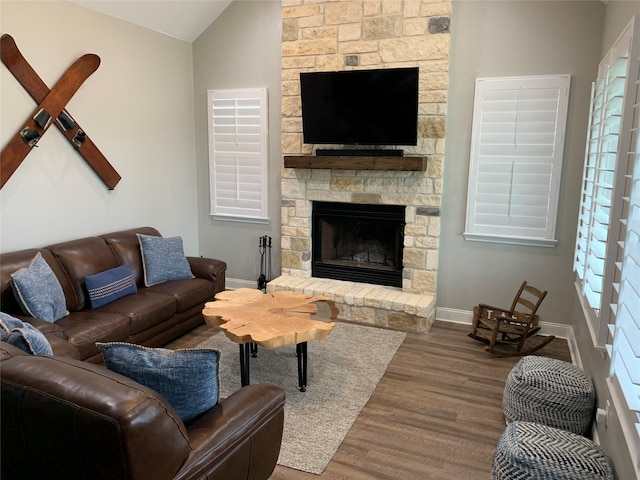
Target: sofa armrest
242 433
81 420
9 351
209 269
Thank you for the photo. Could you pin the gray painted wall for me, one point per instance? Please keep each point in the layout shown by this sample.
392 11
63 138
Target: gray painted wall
241 49
522 38
501 38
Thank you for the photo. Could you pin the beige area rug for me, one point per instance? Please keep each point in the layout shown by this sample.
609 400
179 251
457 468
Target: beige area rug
343 371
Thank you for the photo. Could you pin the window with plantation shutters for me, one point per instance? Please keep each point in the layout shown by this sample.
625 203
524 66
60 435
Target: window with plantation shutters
623 344
625 347
604 197
516 159
238 173
607 252
603 176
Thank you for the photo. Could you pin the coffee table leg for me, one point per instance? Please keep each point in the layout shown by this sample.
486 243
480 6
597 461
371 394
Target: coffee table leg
301 353
245 358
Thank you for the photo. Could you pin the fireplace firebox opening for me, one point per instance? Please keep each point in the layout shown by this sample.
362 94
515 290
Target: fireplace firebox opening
358 242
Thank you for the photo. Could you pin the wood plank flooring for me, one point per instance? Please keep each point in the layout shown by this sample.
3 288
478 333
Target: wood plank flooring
435 415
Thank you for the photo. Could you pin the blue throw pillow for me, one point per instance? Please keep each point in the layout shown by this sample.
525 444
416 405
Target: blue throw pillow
107 286
163 259
187 378
38 291
23 335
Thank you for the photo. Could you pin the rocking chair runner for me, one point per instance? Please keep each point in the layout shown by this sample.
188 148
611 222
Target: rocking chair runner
509 332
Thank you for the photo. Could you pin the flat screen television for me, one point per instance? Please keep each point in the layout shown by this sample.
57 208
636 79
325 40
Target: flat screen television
360 107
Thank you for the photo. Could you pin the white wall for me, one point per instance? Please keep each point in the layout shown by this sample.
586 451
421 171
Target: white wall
512 38
241 49
137 108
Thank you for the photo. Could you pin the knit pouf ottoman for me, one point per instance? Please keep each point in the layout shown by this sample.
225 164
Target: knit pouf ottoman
551 392
530 451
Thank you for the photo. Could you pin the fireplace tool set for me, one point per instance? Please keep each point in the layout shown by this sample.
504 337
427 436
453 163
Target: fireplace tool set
265 262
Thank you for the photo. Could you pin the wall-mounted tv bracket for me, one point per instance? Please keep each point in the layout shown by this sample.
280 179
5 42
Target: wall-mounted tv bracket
35 127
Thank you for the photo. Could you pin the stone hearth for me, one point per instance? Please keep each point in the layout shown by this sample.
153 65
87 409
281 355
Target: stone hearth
367 303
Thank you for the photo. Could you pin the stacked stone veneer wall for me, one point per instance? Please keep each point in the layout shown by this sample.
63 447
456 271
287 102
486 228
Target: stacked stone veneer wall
367 34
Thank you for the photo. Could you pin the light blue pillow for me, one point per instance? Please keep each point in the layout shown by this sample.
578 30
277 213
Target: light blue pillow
38 291
23 335
163 259
110 285
186 378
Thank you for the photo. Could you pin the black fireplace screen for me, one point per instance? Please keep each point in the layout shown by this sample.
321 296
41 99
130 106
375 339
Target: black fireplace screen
358 242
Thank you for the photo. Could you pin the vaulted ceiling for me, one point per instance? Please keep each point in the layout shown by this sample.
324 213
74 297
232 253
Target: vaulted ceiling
182 19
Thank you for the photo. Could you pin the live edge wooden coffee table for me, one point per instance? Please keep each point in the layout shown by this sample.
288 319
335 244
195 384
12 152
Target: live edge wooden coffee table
251 318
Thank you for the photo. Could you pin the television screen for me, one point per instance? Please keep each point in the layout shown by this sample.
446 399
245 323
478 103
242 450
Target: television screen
360 107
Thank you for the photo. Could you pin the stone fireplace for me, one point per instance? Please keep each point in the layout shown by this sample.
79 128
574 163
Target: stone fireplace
343 35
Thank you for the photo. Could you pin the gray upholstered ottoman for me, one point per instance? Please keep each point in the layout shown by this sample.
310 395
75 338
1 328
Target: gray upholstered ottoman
550 392
530 451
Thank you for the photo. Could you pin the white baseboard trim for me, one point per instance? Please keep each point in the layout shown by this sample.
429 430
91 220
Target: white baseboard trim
560 330
233 283
454 316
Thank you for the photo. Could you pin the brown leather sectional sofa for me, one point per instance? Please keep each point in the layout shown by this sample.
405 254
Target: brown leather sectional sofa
153 316
64 417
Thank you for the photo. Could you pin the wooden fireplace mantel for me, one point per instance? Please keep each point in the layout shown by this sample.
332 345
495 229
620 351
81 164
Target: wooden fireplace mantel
409 164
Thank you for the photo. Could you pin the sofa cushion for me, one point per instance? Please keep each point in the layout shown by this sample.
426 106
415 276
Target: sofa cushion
62 348
110 285
86 327
50 329
187 379
9 351
187 293
24 336
163 259
144 310
79 258
126 247
38 291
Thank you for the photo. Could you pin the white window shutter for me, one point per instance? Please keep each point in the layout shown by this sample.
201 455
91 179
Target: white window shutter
607 252
599 178
603 205
625 355
624 343
516 159
238 154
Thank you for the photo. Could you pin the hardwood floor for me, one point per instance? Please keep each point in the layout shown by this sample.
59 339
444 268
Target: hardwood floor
435 415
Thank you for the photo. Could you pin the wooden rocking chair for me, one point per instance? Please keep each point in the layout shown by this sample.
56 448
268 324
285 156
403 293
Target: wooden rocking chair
509 332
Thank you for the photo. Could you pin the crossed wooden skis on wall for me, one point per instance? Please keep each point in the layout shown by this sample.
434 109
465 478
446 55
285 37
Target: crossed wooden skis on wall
51 110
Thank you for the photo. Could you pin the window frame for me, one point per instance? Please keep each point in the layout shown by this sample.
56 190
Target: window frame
599 305
237 122
615 324
490 213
